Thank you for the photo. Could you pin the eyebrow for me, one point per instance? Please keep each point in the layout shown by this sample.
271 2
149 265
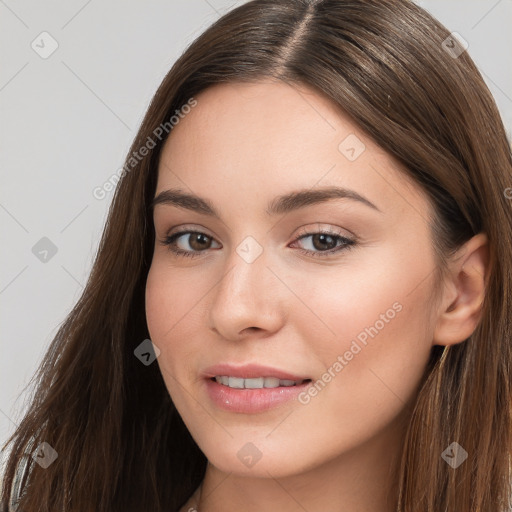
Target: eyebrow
280 205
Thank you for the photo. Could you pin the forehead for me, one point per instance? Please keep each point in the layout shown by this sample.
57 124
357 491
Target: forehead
265 138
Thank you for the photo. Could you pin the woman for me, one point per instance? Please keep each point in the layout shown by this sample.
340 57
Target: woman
221 356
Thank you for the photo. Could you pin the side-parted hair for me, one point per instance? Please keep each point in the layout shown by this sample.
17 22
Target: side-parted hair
121 443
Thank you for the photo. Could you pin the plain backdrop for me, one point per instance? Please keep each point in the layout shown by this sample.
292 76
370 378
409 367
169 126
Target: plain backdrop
68 119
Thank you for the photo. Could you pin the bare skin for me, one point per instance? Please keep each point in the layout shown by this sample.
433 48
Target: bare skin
241 147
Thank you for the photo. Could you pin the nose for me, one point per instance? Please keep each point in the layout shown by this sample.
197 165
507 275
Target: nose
247 299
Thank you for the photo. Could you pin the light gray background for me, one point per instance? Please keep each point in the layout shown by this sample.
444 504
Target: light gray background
67 122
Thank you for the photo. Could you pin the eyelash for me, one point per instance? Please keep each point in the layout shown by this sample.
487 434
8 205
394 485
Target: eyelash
348 244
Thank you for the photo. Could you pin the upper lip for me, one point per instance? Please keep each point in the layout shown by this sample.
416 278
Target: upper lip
249 371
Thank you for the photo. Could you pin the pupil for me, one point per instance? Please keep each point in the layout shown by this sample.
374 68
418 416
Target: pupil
199 239
322 238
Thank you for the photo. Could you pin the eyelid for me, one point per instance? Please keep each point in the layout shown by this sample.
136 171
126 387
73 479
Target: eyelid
303 230
189 227
325 228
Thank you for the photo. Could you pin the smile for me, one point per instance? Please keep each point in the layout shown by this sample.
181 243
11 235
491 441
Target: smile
256 383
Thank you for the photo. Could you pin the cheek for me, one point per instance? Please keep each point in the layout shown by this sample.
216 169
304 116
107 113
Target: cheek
171 297
161 318
372 334
381 366
173 301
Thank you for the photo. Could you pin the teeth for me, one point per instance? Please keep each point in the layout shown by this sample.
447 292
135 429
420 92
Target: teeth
271 382
255 383
235 382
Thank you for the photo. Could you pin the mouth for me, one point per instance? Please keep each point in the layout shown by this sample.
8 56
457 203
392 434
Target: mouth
256 382
252 388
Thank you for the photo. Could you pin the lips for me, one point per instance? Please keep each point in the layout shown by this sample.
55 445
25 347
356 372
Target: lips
279 387
255 383
251 371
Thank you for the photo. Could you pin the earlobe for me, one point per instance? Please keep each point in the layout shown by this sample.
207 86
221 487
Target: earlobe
461 305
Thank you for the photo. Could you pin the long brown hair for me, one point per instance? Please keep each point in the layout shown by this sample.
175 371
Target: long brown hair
121 443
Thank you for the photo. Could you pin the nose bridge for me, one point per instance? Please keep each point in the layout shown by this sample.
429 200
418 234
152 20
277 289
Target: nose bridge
245 296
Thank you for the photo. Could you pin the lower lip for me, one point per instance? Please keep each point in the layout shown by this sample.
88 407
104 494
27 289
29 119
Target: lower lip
248 401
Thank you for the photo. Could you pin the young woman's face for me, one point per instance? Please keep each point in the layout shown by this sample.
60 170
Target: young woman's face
319 286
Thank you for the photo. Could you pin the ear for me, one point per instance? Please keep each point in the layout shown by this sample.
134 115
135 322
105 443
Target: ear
464 290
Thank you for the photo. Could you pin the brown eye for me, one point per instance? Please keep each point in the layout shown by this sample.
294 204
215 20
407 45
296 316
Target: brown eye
196 241
325 243
199 241
322 241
